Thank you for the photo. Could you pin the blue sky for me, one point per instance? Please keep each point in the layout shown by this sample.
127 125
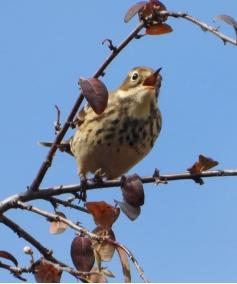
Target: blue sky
186 233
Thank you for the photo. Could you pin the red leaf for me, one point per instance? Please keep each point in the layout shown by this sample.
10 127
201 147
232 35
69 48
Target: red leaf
132 189
134 10
7 255
203 164
95 92
158 29
82 253
104 214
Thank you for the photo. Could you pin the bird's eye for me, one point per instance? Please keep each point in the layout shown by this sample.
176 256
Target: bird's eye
135 76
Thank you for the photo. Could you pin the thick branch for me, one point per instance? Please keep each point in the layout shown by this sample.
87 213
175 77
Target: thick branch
46 193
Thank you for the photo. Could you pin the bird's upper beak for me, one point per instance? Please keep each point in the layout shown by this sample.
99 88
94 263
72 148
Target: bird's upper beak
152 79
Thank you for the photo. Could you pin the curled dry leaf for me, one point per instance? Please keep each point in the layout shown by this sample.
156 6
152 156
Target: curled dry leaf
104 214
9 256
95 93
229 20
130 211
57 227
125 264
82 253
104 248
203 164
45 272
132 189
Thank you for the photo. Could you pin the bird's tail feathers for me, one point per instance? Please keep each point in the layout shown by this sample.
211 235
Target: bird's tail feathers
64 146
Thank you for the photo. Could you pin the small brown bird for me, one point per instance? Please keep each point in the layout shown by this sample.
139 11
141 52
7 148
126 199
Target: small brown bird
116 140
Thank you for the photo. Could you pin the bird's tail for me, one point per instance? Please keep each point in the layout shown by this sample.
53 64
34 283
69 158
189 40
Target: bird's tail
64 146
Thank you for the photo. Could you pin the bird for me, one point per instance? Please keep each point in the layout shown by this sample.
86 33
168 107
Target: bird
114 141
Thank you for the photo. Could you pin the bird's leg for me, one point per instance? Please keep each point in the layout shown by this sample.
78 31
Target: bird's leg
83 185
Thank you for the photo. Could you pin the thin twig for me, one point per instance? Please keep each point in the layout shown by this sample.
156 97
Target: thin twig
202 25
67 204
16 271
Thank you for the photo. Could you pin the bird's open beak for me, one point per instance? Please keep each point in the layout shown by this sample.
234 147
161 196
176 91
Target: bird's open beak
152 79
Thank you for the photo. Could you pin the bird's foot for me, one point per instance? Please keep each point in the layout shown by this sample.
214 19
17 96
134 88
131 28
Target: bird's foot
83 185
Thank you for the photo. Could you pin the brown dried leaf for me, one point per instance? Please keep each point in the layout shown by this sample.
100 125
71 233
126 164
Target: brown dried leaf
125 264
104 249
9 256
104 214
57 227
158 29
82 253
46 273
132 11
203 164
95 92
132 189
229 20
130 211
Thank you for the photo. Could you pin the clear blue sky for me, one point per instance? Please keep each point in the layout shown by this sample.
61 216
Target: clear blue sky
185 232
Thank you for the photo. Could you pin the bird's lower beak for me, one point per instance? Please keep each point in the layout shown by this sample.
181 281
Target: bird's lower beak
152 79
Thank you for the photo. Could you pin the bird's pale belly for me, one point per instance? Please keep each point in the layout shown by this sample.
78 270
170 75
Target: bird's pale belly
114 149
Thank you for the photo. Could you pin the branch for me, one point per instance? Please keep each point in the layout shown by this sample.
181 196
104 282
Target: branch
16 271
202 25
25 235
55 201
46 193
43 250
84 231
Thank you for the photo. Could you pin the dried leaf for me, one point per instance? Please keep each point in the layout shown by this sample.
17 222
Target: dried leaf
82 253
130 211
132 189
104 214
97 277
203 164
158 29
95 92
125 264
57 227
229 20
9 256
104 249
45 272
134 10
